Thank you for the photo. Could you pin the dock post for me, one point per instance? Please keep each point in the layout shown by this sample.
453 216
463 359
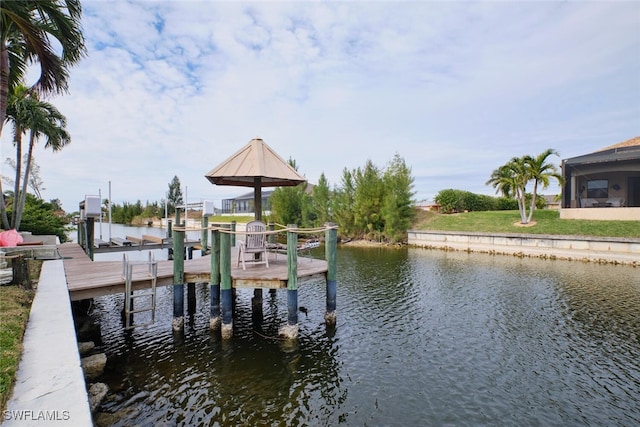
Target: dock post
178 280
290 330
233 233
331 250
225 283
169 234
204 236
90 233
214 321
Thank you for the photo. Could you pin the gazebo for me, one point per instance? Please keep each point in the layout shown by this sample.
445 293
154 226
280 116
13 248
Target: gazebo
255 165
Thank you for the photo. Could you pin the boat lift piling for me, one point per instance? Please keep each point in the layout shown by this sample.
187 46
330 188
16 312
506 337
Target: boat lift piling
178 279
226 294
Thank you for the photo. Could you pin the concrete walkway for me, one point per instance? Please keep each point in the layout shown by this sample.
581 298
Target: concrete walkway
50 387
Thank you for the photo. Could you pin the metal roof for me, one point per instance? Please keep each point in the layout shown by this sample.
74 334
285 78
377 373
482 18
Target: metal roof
255 164
624 151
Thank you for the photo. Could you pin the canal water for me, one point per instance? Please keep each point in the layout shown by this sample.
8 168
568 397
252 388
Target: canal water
422 337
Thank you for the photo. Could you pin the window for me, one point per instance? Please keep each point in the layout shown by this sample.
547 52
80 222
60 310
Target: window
598 189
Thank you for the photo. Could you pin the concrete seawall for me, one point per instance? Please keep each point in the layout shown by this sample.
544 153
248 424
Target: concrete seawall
50 387
588 249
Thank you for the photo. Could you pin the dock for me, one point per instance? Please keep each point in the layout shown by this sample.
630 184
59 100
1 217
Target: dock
90 279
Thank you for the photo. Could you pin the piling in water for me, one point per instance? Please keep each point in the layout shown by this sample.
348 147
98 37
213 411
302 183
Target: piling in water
178 280
331 250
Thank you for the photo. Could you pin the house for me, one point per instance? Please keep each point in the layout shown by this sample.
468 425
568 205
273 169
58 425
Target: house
244 204
596 183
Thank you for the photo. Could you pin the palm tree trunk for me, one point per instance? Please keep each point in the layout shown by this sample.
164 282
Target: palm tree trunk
522 205
3 208
17 140
19 208
533 200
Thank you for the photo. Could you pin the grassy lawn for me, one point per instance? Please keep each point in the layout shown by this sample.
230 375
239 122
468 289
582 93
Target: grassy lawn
546 222
15 304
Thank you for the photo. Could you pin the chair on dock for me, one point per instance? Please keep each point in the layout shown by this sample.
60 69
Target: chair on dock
254 244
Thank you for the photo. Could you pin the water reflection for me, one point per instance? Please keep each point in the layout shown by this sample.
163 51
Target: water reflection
422 337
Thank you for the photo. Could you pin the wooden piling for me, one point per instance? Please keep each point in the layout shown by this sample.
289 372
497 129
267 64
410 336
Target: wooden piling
226 293
331 251
169 234
233 233
290 330
215 319
178 280
204 236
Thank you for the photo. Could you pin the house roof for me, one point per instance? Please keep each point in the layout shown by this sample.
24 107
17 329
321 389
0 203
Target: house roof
254 163
633 142
627 150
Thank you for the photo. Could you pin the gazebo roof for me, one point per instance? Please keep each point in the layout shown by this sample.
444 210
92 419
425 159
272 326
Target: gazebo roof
256 161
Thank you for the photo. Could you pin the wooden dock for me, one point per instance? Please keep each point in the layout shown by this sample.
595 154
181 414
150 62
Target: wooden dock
89 279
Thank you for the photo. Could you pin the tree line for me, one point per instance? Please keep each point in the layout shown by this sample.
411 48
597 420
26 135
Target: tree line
369 202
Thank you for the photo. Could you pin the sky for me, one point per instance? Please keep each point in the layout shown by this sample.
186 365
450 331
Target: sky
456 89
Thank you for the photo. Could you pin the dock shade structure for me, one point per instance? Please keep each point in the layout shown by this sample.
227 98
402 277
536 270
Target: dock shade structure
255 165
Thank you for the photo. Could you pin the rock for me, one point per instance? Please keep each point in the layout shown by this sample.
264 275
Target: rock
85 347
97 393
93 365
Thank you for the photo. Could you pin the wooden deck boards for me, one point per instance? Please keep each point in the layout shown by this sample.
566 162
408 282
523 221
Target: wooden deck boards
88 279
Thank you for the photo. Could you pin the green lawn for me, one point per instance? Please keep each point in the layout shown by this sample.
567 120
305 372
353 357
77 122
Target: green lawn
15 304
546 222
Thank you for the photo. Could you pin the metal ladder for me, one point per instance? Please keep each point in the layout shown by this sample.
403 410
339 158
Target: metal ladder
130 296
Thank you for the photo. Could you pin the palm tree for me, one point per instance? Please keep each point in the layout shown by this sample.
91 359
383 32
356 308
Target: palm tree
27 30
41 119
541 173
511 180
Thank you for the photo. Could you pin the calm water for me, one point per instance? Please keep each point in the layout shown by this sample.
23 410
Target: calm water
423 338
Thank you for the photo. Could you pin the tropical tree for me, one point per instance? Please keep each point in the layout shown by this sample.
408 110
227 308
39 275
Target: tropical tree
541 172
34 31
512 178
41 119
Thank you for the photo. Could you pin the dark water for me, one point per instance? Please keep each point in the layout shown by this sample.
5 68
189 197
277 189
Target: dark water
422 338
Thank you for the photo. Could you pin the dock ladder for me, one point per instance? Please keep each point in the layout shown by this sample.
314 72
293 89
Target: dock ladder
148 294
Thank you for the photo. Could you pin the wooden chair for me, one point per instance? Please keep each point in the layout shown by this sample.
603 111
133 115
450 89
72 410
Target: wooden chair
254 244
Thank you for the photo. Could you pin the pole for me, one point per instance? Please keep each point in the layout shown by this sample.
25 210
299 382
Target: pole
100 197
178 280
331 250
290 330
225 283
216 319
204 235
109 211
